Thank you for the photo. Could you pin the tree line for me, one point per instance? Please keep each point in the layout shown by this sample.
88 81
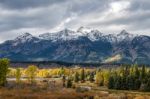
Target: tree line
120 78
130 78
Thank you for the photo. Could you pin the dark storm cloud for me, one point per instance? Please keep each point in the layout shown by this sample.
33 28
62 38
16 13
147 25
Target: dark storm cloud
45 15
23 4
25 19
42 13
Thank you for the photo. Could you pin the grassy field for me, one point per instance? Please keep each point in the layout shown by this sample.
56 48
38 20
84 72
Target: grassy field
44 90
76 83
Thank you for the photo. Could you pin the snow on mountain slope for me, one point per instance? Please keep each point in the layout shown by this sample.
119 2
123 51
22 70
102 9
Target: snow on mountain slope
124 35
48 36
112 38
92 34
83 45
66 34
24 37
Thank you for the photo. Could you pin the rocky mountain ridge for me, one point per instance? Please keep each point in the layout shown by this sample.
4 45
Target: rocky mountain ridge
84 45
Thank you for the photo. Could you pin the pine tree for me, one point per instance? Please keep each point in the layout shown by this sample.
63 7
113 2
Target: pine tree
147 88
118 83
82 75
137 84
4 64
130 82
143 73
124 83
148 74
69 83
111 82
137 72
64 80
127 71
91 77
76 77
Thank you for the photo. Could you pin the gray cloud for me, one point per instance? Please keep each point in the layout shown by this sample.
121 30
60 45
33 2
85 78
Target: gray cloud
38 16
24 4
139 5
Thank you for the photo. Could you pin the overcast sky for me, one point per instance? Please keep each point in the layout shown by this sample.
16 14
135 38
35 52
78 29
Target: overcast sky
40 16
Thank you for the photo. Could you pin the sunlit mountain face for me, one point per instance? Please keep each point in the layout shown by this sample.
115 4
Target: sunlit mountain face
82 45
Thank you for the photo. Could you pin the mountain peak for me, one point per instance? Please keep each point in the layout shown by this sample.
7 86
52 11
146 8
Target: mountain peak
123 32
66 30
24 37
124 35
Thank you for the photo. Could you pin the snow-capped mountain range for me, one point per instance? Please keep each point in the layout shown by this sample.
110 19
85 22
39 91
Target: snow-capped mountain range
66 34
82 45
92 34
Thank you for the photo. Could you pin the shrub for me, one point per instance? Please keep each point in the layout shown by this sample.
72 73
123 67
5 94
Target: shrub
111 82
4 64
18 75
31 73
69 83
